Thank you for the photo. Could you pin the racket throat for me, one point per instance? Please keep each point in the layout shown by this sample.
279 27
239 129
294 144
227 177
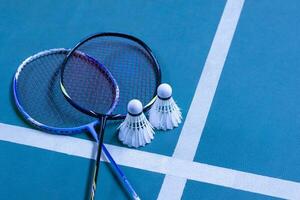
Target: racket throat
94 134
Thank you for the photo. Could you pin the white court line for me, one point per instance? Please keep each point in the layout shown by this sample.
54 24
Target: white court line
172 187
155 163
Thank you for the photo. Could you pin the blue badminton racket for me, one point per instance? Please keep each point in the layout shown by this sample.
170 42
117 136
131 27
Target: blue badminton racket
132 64
37 95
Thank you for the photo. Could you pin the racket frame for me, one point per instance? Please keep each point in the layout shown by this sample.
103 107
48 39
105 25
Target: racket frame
90 127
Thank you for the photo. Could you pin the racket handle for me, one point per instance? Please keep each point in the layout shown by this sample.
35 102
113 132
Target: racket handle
121 176
116 169
93 190
97 163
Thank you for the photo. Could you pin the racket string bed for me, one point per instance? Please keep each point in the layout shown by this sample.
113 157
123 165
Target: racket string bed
129 64
37 91
97 89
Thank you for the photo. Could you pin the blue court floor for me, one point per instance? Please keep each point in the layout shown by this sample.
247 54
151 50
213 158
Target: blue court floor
234 68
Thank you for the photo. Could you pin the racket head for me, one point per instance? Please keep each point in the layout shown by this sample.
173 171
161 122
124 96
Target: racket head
129 60
37 95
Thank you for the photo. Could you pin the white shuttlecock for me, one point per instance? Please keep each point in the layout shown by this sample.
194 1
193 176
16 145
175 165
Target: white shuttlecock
164 113
136 130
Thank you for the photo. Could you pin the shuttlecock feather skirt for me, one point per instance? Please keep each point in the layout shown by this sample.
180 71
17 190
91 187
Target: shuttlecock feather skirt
136 131
165 114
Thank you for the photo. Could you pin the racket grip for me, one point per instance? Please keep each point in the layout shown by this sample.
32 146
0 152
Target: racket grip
121 176
93 188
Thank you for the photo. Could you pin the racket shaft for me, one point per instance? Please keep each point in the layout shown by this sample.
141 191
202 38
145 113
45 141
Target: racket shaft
121 176
97 163
116 169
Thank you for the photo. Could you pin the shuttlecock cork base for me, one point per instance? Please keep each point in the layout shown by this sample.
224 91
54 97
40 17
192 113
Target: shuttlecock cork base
136 130
164 113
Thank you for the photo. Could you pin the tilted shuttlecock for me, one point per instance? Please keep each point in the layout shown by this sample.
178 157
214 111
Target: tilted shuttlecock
136 130
164 113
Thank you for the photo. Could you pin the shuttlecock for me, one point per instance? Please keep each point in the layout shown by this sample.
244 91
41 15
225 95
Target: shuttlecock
164 113
136 130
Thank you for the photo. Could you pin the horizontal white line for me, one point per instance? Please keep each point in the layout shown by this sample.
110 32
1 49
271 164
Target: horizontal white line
155 163
59 143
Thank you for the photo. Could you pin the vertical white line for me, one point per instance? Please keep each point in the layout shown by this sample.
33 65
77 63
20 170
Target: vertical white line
172 187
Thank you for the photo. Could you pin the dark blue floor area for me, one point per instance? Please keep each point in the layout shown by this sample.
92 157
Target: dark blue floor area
204 191
31 173
35 173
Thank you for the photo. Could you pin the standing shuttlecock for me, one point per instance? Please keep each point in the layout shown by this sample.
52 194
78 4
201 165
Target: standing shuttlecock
165 114
136 130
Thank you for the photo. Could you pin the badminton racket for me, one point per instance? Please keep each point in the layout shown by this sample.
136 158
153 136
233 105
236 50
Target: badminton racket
132 64
37 95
